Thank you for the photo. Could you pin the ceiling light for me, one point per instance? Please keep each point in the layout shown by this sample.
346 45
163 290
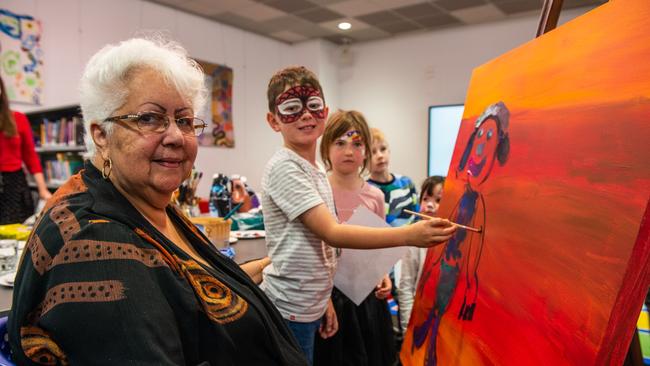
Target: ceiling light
344 26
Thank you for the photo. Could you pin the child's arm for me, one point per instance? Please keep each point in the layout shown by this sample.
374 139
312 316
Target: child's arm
407 284
254 268
425 233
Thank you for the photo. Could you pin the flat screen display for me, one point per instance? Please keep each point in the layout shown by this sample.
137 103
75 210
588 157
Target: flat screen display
444 122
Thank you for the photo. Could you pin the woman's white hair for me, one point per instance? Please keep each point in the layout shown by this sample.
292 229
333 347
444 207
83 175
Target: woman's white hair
104 82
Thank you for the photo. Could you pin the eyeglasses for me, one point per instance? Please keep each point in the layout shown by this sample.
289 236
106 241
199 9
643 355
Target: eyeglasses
155 122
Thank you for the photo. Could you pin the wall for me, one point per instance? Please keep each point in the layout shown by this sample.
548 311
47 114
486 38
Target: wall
394 81
73 30
391 81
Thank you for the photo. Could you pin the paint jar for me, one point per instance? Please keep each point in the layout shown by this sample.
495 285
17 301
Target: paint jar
8 255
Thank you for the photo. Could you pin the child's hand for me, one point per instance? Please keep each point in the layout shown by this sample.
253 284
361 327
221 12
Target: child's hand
329 324
382 290
429 233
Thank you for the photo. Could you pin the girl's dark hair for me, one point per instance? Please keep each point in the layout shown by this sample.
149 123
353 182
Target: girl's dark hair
430 183
340 123
7 124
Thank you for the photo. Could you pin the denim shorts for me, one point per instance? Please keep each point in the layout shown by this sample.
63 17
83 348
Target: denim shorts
305 334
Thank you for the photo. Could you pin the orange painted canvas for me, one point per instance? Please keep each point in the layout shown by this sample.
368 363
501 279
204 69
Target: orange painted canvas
552 162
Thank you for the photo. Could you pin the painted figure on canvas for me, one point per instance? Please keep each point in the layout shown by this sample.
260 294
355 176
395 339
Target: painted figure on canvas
489 142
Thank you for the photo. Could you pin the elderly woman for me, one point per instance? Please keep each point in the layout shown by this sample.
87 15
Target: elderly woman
114 275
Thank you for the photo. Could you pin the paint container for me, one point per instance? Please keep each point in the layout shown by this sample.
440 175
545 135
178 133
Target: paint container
216 229
8 255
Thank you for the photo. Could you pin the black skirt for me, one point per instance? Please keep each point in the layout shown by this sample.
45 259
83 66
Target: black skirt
365 336
16 202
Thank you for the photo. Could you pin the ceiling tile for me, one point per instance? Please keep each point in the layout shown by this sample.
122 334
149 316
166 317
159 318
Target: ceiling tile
258 12
355 23
518 6
325 2
319 15
291 6
478 14
418 10
310 30
352 8
398 27
169 2
437 21
234 20
211 7
380 17
367 34
288 36
282 23
450 5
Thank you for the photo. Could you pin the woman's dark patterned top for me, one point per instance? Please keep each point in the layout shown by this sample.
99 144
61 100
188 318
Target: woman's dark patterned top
99 285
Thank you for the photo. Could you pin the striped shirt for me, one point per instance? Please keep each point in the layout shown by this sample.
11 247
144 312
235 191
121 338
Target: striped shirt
300 280
399 194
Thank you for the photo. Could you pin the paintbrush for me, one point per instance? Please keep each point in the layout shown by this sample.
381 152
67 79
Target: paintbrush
232 212
459 225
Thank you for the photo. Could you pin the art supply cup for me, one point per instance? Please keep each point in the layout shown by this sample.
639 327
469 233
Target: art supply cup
216 229
8 256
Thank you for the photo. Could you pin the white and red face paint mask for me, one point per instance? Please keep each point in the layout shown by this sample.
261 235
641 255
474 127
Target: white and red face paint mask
291 104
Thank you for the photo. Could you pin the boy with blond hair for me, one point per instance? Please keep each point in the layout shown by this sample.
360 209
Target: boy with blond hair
299 213
399 190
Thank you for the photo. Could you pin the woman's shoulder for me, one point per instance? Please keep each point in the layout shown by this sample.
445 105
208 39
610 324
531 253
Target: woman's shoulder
20 119
72 219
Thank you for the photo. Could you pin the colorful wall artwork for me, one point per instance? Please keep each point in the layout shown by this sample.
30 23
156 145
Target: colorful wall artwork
218 115
21 58
552 162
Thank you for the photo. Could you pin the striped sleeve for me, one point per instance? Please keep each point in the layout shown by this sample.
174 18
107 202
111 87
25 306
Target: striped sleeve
292 189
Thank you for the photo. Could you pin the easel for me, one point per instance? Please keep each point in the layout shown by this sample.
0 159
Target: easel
550 15
547 22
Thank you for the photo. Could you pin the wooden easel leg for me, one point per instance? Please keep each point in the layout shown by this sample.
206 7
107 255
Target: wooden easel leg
550 15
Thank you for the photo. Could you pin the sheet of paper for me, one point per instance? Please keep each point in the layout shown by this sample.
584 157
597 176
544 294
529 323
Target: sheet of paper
359 271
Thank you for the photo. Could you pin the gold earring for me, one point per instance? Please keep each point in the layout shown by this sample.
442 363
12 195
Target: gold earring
108 163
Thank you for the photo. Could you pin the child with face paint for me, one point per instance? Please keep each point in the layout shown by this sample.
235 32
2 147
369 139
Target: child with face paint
300 216
413 261
365 335
489 143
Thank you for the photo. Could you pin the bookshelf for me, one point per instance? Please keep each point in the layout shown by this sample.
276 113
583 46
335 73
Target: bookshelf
58 140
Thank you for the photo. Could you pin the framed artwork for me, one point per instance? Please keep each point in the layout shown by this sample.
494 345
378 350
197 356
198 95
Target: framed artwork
21 58
552 165
218 114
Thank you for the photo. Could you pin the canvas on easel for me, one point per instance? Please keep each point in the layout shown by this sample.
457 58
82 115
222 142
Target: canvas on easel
552 162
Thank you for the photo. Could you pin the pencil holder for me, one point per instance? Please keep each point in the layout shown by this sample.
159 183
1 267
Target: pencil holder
216 229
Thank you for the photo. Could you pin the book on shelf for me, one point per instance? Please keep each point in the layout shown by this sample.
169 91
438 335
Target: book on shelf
66 131
61 166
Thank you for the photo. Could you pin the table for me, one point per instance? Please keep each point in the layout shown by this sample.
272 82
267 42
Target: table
245 250
249 249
